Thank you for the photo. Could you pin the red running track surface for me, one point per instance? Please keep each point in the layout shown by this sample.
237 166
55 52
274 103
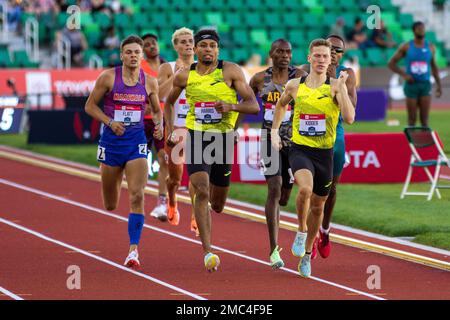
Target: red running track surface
173 255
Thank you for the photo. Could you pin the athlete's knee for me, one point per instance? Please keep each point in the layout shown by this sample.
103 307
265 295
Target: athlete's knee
316 209
201 191
274 190
218 206
136 197
305 192
284 198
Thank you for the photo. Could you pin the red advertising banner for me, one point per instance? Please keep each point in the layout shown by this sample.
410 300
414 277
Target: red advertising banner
380 158
373 158
45 88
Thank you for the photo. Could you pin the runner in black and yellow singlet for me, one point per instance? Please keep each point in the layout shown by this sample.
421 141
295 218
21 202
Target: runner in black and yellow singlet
269 85
318 101
211 88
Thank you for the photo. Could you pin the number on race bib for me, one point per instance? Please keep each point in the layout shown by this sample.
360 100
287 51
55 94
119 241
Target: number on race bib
143 149
101 153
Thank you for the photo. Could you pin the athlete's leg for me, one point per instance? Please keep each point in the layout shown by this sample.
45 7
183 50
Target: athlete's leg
329 204
162 173
317 206
272 209
304 181
424 109
218 197
411 105
136 172
200 184
111 183
285 195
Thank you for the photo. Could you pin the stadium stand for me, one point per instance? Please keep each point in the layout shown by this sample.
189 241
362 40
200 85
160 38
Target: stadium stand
247 26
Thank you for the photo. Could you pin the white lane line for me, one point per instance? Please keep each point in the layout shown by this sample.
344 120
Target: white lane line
103 212
109 262
258 208
10 294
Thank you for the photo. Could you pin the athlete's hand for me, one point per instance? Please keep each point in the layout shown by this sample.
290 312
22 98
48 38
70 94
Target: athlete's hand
223 106
117 128
276 140
438 92
408 78
172 139
331 71
159 132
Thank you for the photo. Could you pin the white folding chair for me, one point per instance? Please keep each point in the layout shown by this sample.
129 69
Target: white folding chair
422 137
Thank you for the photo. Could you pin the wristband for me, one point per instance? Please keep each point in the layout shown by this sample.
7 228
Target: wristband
110 122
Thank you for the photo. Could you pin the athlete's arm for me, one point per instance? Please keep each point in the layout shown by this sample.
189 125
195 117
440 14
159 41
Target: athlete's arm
340 91
256 81
103 85
351 86
248 103
435 71
398 55
280 109
151 86
165 78
179 84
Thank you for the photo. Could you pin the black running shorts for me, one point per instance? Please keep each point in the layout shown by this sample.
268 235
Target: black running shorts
318 161
210 152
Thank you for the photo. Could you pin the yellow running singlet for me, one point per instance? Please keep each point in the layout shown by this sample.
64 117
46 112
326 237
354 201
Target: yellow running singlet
202 92
315 116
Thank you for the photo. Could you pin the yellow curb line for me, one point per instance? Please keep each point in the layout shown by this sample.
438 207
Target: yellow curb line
404 255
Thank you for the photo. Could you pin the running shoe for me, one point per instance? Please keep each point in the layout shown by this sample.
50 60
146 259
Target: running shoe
194 227
324 244
298 246
160 212
173 215
314 249
304 266
275 260
132 261
212 262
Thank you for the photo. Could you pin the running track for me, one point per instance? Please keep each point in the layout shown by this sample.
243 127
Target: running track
51 220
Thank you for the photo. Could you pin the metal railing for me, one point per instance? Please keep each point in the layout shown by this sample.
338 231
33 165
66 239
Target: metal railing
32 38
63 53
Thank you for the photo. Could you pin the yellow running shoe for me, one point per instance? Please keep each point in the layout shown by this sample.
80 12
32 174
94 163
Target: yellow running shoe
212 262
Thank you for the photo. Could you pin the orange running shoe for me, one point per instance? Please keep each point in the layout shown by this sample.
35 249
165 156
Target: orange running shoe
173 215
194 227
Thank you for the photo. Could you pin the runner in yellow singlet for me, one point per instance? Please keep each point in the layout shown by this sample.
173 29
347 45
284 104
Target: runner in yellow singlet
211 88
318 101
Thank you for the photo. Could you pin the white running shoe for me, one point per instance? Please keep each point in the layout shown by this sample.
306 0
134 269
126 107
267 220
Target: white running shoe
160 212
132 261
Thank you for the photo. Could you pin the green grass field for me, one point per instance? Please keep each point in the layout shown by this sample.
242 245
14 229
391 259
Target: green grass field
371 207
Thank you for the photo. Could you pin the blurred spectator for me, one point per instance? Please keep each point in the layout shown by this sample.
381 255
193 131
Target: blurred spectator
98 6
78 44
253 61
62 5
353 62
357 37
382 37
13 15
111 41
338 28
40 6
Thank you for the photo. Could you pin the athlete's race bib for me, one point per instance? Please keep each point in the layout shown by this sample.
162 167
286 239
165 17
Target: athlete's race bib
205 113
128 115
270 110
183 108
419 67
312 124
